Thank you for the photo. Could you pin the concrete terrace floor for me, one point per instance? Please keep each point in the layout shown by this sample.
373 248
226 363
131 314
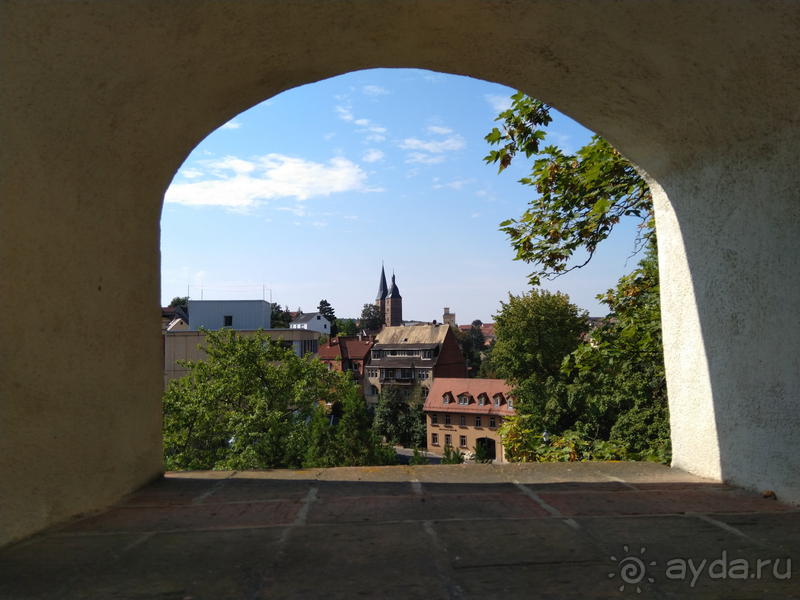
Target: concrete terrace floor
564 530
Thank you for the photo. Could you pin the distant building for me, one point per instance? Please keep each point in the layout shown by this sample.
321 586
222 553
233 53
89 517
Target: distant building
406 356
466 413
312 322
389 301
449 318
350 354
242 315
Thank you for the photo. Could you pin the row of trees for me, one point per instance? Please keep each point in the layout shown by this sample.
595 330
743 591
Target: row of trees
592 389
254 404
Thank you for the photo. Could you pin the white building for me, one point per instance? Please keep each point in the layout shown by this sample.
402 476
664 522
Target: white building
312 322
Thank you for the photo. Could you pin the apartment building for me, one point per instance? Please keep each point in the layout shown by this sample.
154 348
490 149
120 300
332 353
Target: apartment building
466 413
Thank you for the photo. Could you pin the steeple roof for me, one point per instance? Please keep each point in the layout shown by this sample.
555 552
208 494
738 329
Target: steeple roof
394 291
383 291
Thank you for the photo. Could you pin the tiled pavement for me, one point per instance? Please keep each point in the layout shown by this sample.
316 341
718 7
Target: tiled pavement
466 531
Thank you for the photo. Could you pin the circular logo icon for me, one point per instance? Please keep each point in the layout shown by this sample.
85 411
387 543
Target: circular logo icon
631 570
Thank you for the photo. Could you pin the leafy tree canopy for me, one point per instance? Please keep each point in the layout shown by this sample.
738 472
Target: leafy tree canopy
247 405
326 310
371 317
535 331
179 301
279 317
581 196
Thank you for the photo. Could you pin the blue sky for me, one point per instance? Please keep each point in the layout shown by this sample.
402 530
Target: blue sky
306 193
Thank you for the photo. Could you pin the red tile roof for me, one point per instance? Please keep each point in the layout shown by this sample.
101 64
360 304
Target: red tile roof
346 348
472 388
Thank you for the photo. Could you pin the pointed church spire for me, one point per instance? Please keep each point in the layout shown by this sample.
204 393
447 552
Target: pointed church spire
394 291
383 291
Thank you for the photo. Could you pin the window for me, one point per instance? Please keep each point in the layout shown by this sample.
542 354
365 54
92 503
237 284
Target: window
491 422
447 439
407 393
434 439
446 399
318 317
324 325
447 419
510 404
477 421
392 352
481 400
355 367
463 399
374 391
426 354
425 392
463 421
497 400
376 354
434 419
463 441
228 320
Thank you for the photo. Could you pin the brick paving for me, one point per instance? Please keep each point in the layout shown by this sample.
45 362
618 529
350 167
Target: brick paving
449 532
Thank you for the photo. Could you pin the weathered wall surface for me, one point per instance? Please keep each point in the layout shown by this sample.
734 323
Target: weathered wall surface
102 101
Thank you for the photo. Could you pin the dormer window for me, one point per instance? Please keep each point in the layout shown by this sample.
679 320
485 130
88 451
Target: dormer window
463 400
510 404
446 398
426 354
481 399
497 400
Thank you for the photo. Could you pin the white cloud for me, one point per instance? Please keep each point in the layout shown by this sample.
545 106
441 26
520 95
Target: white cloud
191 173
238 184
372 155
319 224
455 142
419 157
231 125
375 138
351 217
328 136
498 103
439 130
344 113
456 185
374 90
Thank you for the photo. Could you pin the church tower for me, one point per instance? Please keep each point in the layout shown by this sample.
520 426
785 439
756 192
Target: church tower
394 306
383 292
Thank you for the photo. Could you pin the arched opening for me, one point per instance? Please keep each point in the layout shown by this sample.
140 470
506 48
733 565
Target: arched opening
94 127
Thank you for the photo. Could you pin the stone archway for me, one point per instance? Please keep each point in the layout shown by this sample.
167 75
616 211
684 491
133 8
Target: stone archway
101 102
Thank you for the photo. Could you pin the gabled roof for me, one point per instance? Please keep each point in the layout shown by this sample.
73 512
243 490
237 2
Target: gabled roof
307 318
419 334
346 347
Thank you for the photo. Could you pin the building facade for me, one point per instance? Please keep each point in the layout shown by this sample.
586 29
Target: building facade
466 413
350 354
236 314
312 322
404 357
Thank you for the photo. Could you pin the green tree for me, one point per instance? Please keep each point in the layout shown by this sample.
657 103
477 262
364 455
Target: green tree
279 318
245 405
346 327
535 332
371 317
581 196
612 386
620 369
350 442
326 310
179 301
400 420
